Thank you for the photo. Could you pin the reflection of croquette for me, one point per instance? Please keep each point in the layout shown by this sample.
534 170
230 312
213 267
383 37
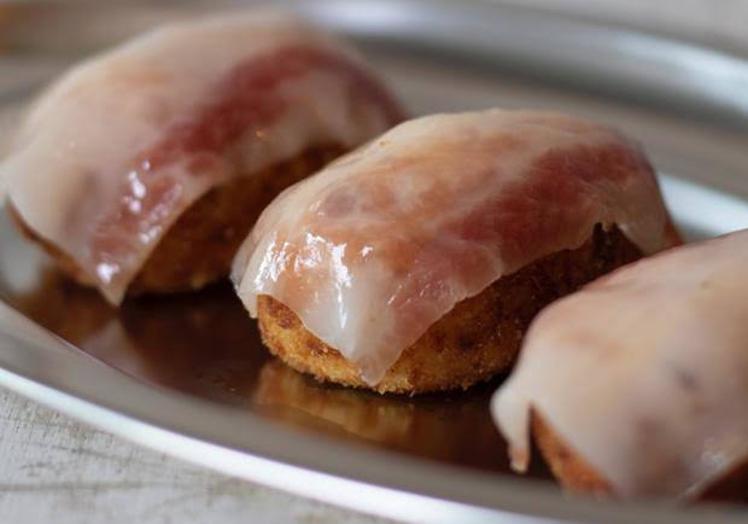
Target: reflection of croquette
479 338
449 428
68 310
199 343
415 263
147 165
378 419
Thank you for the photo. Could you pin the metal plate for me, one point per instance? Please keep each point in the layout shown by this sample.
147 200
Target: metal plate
188 376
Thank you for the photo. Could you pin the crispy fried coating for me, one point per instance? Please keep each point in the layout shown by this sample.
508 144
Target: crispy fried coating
571 469
478 339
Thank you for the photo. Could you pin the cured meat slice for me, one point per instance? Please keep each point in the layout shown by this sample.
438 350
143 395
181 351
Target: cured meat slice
384 242
114 152
642 375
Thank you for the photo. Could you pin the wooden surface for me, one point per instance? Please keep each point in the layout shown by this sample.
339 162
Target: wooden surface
53 469
56 470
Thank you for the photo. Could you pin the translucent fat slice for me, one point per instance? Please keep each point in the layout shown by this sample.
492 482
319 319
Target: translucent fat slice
644 373
382 243
118 148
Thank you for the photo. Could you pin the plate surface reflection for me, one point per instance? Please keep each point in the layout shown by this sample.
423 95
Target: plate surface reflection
205 344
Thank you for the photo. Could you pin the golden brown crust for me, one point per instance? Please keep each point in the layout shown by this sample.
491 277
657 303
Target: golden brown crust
199 247
479 338
570 468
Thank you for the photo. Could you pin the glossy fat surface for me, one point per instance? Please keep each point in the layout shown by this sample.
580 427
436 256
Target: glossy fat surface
113 152
644 373
382 243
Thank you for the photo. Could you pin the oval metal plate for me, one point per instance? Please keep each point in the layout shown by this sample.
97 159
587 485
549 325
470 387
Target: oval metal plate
188 375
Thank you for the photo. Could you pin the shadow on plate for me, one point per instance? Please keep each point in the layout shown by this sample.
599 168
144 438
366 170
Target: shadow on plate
205 344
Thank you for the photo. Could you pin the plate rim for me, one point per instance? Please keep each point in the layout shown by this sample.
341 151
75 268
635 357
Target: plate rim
43 368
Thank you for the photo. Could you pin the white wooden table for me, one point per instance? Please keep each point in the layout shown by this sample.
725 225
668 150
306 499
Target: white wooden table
53 469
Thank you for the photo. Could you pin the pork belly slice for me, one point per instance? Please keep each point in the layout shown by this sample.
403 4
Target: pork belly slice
384 242
637 385
123 144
